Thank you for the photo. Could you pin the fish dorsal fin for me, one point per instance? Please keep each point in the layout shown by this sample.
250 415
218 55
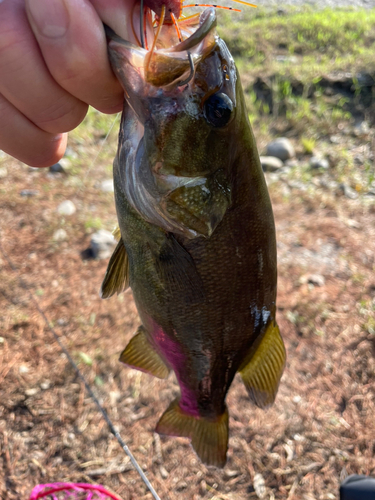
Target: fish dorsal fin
141 355
262 368
116 279
209 438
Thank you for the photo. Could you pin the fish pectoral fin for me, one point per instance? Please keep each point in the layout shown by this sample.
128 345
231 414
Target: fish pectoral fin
116 279
209 438
262 369
140 354
177 271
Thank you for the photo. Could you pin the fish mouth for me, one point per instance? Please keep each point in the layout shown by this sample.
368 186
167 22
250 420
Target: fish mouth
169 62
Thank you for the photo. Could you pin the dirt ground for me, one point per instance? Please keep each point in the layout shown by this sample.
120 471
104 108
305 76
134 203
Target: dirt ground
321 427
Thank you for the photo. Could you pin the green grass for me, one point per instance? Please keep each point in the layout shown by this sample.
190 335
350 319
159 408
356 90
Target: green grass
319 40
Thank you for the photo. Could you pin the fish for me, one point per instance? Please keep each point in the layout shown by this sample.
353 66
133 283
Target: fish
196 232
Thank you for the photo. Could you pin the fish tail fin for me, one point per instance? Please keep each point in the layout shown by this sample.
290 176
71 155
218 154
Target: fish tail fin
263 367
209 438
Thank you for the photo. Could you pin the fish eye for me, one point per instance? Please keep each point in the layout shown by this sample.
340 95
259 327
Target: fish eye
218 109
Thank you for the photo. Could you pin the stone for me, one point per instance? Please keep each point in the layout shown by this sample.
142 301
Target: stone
32 391
3 172
102 244
60 235
281 148
29 193
57 168
312 279
70 153
270 163
65 163
317 162
45 385
348 191
67 207
107 186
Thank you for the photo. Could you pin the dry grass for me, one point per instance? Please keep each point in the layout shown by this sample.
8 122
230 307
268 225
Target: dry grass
321 427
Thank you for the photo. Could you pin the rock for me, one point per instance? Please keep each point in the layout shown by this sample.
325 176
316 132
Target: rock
29 193
335 139
270 163
32 391
281 148
45 385
60 235
65 163
23 369
348 191
102 244
67 207
57 168
286 59
70 153
361 129
312 279
3 172
163 472
107 186
317 162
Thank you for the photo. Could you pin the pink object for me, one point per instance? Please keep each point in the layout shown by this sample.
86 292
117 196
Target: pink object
72 491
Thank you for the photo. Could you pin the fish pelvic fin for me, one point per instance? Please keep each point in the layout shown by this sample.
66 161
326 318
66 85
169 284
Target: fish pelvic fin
117 233
209 438
263 367
141 355
116 279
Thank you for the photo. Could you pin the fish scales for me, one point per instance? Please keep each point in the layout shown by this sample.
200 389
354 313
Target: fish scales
197 237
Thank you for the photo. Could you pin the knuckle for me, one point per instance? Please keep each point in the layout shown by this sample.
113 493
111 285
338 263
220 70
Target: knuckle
62 116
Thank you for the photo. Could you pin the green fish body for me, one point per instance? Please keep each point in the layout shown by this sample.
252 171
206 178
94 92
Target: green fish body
197 244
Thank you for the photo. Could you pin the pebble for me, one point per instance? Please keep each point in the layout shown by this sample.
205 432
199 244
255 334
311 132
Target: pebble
23 369
316 162
313 279
2 340
57 168
163 472
67 207
32 391
281 148
348 191
45 385
60 235
3 172
102 244
270 163
70 152
29 193
65 163
107 186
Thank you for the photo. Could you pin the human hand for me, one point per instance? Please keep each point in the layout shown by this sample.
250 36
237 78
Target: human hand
53 64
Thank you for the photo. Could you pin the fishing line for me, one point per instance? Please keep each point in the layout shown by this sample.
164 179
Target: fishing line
105 415
97 155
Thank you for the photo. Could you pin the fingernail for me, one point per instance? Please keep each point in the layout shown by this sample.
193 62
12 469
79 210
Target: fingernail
50 17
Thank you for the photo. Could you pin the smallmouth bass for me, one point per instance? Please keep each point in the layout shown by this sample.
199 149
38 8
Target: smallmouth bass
196 232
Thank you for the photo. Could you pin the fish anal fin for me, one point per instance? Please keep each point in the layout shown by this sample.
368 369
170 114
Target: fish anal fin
141 355
262 369
116 279
209 438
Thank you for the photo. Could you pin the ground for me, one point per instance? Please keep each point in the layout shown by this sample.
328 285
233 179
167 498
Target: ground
321 427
